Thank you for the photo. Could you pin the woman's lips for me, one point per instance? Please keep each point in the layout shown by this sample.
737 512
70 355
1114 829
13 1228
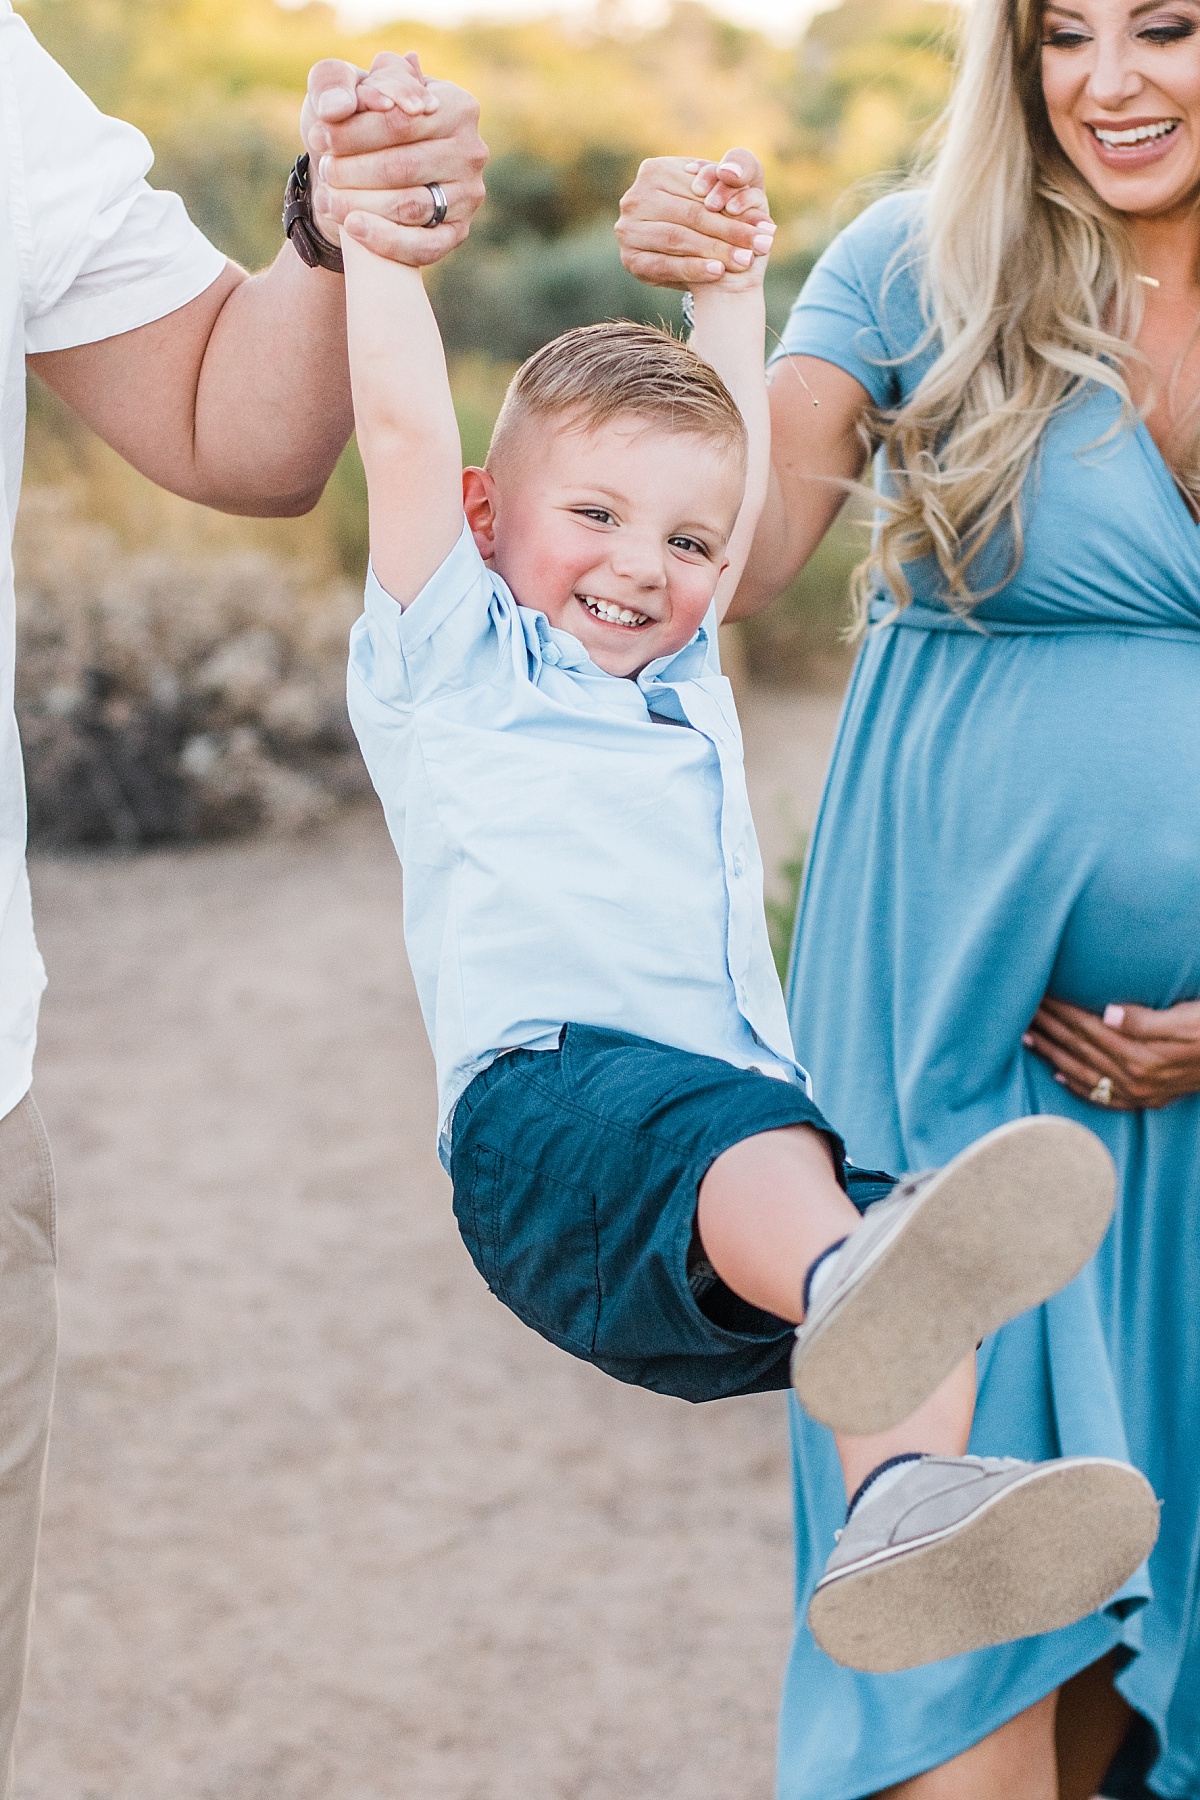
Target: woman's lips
1138 155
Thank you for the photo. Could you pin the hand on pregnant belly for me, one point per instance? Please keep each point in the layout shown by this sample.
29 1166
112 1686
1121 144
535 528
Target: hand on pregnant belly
1132 1058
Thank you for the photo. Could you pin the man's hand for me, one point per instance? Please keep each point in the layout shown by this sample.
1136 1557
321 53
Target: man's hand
1149 1057
685 224
377 138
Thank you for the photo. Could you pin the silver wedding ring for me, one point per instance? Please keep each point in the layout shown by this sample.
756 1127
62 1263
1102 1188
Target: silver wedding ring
1101 1094
437 194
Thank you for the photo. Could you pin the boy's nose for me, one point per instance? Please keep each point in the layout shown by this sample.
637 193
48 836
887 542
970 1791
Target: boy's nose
640 562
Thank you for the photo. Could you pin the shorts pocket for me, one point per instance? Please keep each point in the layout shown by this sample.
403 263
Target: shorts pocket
535 1243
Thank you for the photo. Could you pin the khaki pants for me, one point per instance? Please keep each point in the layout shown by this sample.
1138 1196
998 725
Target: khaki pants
28 1344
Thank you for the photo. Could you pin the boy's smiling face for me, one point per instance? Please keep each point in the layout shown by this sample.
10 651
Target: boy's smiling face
618 533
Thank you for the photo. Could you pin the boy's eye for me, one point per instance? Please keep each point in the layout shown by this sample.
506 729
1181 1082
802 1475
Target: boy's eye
692 545
600 514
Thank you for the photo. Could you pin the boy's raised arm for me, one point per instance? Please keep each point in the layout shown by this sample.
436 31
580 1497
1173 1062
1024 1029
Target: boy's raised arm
404 416
730 333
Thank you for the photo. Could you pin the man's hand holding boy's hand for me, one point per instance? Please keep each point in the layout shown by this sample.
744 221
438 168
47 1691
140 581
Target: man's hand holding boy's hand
688 224
377 139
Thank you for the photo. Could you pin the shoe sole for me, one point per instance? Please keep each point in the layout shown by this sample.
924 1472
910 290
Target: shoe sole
1042 1554
998 1230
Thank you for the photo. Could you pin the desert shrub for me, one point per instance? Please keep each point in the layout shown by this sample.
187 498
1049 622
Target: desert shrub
166 697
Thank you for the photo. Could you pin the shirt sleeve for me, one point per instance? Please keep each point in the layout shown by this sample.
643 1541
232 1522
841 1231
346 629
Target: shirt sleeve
101 252
860 308
445 640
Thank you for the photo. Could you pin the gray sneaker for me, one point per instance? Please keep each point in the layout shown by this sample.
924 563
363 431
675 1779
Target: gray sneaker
961 1552
944 1260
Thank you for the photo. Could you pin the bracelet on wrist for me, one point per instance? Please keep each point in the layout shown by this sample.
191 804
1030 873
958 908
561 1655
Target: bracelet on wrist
299 226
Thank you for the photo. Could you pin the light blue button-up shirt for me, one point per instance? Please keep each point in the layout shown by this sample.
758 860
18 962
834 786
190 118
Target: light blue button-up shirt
568 856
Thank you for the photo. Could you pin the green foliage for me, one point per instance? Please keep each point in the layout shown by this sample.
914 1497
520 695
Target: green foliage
781 907
508 300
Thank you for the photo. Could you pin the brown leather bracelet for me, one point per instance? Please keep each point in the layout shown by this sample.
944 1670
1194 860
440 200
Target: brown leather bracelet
298 224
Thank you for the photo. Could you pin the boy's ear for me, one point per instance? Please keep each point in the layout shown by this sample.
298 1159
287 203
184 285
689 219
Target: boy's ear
479 504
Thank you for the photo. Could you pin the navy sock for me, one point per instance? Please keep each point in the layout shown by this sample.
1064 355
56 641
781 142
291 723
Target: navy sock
813 1267
893 1462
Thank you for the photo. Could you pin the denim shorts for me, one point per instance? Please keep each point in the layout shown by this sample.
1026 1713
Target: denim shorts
576 1174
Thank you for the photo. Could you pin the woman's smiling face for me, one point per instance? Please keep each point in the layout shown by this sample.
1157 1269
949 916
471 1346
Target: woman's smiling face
1122 87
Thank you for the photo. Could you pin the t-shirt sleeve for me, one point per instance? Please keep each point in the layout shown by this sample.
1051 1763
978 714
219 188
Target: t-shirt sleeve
860 307
101 252
441 642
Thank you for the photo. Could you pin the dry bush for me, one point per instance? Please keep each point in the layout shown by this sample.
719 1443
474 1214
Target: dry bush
166 696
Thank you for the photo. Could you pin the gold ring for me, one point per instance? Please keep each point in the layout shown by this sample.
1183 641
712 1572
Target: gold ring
1101 1094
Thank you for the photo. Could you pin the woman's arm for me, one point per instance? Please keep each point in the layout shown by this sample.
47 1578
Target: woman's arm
816 450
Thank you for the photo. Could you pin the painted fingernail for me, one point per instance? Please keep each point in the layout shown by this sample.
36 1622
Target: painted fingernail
713 201
1027 1040
1114 1016
323 168
730 168
763 243
743 258
1061 1080
714 268
689 168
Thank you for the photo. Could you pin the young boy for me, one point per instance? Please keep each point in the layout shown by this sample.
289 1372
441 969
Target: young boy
639 1169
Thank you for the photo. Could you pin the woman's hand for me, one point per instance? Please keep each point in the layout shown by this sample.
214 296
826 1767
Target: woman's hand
685 223
1149 1057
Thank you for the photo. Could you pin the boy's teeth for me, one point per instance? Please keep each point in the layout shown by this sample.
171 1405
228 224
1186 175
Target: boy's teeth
1137 134
612 615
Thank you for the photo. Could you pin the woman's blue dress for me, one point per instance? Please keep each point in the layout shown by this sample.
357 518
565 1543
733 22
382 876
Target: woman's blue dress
1012 811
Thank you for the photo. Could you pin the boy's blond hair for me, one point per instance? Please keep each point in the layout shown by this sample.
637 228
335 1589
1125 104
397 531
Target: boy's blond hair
598 373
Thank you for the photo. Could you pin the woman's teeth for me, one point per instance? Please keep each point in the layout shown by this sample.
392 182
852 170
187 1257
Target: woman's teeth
612 615
1137 134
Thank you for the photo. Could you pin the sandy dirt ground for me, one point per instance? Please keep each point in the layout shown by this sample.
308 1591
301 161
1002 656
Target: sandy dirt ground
322 1519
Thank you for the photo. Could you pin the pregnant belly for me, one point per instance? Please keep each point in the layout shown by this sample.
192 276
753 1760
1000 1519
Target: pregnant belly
1134 931
1127 745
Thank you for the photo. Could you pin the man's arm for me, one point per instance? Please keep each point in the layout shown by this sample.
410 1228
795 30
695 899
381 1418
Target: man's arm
241 399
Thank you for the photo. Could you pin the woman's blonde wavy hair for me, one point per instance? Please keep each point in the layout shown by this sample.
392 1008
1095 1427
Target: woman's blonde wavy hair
1030 291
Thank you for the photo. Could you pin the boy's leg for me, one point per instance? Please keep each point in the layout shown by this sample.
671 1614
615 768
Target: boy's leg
925 1275
767 1210
942 1552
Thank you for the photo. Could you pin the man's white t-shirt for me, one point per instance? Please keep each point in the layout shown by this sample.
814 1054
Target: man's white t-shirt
87 251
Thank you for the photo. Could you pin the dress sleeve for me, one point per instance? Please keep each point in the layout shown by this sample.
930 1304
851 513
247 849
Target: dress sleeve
860 308
100 251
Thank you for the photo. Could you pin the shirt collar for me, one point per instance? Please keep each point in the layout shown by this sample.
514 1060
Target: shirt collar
561 650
